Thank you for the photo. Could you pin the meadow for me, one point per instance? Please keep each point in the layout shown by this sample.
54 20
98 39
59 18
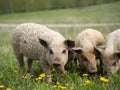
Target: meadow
12 79
95 14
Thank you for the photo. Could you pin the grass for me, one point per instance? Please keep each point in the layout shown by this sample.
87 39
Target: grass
95 14
10 75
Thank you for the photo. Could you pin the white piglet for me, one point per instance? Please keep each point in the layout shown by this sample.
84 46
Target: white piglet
109 53
85 43
37 42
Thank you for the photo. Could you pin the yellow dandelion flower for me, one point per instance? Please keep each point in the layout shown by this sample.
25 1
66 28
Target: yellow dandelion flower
63 87
34 89
87 82
57 83
104 79
1 86
72 88
42 75
38 78
66 84
54 86
24 77
8 89
59 86
85 75
15 71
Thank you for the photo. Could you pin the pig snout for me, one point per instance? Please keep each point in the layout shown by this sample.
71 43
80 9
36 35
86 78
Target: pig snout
92 70
56 65
106 71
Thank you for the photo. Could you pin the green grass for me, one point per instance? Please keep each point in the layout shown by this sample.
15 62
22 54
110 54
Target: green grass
94 14
10 76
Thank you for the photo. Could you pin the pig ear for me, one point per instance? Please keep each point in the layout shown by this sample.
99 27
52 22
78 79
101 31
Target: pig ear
78 50
98 51
43 43
71 54
69 43
100 48
117 54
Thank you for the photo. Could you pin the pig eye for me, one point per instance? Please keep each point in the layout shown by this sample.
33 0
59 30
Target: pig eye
64 51
50 52
84 58
114 64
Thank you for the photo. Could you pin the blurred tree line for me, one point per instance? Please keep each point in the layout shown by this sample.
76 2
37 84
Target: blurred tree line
12 6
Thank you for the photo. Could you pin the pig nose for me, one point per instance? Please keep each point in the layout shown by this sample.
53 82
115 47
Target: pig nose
104 73
56 65
93 70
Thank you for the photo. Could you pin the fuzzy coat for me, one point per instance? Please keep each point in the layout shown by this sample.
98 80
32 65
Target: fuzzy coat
110 52
37 42
84 46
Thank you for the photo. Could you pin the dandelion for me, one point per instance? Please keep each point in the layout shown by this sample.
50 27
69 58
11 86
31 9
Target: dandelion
38 78
72 88
57 83
55 86
34 89
24 77
15 71
59 86
8 89
1 86
87 82
66 85
42 75
104 79
62 87
85 75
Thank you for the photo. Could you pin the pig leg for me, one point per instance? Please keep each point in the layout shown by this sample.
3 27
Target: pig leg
19 57
61 68
21 62
30 62
46 69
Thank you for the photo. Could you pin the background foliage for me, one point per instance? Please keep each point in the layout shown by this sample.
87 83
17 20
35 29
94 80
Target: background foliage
12 6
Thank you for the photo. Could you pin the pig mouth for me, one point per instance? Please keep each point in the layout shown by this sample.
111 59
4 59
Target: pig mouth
60 69
91 71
